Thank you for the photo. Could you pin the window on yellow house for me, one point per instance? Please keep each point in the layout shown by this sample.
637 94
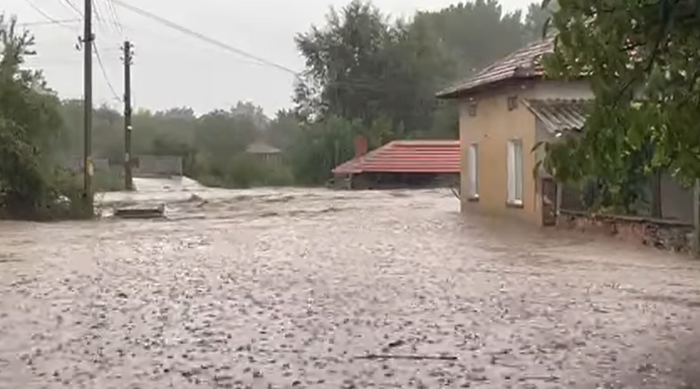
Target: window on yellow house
473 170
515 172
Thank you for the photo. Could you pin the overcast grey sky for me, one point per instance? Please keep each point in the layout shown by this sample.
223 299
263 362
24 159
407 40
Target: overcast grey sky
173 69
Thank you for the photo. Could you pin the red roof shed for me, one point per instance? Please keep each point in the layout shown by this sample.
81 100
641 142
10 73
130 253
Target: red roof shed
407 156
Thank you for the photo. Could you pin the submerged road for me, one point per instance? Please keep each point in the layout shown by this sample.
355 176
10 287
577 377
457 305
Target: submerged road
287 288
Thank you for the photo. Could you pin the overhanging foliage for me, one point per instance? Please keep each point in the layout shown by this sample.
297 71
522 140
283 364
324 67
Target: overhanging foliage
643 62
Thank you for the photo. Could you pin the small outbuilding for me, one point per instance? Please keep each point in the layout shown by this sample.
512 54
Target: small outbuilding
401 164
265 152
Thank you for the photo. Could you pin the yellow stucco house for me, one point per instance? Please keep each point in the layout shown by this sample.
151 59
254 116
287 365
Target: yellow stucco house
505 110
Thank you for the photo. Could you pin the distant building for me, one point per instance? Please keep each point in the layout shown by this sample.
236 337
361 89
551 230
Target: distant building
265 152
400 164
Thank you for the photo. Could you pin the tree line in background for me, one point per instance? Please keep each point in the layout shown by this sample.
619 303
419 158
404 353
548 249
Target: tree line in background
366 73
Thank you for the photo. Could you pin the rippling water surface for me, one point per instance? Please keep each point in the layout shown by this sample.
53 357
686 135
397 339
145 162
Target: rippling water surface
287 288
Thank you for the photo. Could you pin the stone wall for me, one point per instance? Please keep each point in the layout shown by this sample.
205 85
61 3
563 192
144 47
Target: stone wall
662 234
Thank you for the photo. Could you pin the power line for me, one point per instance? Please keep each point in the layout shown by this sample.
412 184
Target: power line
99 21
47 16
366 85
102 21
50 22
104 72
205 38
98 11
114 16
70 4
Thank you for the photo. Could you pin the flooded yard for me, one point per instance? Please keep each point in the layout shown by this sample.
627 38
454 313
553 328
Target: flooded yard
320 289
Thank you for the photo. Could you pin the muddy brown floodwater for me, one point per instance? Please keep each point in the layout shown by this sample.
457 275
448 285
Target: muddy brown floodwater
285 289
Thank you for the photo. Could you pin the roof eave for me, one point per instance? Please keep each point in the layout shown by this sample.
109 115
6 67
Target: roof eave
449 94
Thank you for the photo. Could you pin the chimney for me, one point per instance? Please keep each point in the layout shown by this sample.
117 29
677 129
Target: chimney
361 147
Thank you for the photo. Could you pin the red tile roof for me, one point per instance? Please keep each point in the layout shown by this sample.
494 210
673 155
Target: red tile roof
407 156
522 63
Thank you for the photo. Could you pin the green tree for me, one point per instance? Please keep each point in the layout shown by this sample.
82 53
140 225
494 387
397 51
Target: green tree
642 60
344 66
366 74
320 147
474 34
223 134
536 21
283 129
361 65
30 125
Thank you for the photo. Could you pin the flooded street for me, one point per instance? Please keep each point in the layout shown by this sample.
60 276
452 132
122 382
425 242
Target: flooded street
287 288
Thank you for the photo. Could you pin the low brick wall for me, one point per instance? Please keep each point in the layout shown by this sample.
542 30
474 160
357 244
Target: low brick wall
662 234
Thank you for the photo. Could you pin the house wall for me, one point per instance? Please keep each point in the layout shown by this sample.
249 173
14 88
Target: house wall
492 127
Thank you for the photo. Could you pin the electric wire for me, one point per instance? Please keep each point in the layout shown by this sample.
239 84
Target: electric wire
369 85
366 85
47 16
104 72
72 5
54 21
49 22
100 22
114 15
203 37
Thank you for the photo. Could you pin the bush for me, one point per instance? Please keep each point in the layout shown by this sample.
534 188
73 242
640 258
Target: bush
31 187
278 175
242 171
54 196
111 180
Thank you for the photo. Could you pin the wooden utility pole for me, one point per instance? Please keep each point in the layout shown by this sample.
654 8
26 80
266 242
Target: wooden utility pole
696 218
88 39
128 174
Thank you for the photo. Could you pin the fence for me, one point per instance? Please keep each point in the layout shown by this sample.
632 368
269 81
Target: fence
676 201
673 229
